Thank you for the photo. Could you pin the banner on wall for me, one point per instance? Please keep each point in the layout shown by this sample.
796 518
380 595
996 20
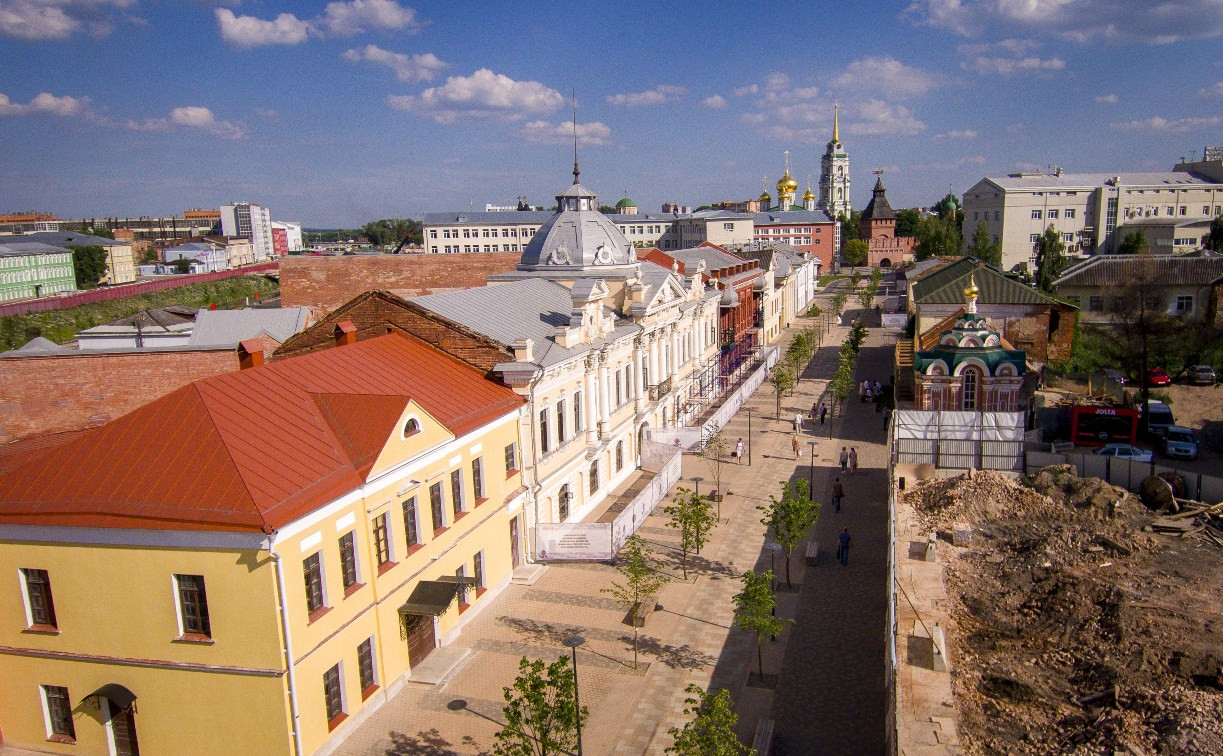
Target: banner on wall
561 541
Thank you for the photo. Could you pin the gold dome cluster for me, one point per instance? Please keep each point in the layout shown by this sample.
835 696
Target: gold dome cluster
786 184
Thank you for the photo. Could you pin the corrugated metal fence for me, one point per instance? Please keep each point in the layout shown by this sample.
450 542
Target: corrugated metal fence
1127 474
959 440
126 290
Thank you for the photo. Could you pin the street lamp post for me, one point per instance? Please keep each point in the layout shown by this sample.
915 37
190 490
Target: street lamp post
697 480
773 548
749 436
811 471
572 643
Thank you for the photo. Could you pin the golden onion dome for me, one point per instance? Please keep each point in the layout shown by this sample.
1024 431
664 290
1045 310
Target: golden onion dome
971 292
786 184
766 197
808 195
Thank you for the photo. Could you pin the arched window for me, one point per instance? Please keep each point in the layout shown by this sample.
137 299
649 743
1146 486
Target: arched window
565 497
411 428
972 378
594 477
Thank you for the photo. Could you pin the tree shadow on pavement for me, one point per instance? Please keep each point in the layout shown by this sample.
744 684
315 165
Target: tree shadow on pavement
675 657
428 743
541 631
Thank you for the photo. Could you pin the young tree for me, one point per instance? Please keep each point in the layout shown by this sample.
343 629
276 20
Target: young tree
782 380
851 226
714 452
642 582
1215 240
790 518
1134 243
1050 259
755 608
855 278
937 237
541 711
855 252
983 247
711 731
89 265
690 514
838 302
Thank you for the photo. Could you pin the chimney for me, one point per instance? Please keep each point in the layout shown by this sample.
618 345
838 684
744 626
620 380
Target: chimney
345 333
524 350
250 354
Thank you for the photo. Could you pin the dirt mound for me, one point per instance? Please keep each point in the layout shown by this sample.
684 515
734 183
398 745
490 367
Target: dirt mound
1073 632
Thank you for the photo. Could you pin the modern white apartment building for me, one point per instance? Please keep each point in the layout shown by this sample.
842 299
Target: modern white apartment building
252 222
1090 210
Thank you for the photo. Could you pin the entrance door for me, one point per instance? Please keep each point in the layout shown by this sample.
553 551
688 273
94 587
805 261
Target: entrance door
514 556
123 730
421 640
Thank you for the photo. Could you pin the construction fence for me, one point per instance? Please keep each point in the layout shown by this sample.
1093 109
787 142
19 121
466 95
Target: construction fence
959 440
1128 474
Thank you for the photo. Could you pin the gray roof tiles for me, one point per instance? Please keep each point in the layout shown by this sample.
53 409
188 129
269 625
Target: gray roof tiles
229 327
1169 270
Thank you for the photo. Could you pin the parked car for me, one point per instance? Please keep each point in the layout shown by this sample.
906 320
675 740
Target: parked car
1202 375
1179 441
1114 375
1125 451
1161 418
1158 377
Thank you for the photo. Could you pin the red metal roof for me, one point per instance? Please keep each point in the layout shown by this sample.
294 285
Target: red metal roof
251 450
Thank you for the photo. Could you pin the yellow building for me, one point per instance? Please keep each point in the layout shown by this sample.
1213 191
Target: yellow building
254 562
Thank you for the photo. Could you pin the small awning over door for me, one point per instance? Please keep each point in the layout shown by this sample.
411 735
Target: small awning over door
118 695
433 597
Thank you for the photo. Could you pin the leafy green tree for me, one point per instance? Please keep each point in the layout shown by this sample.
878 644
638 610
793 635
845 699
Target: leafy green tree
937 237
714 452
690 514
89 265
790 517
838 302
541 711
855 278
1134 243
755 611
782 380
642 581
1050 259
851 226
1214 241
906 221
711 731
181 265
393 231
983 247
855 252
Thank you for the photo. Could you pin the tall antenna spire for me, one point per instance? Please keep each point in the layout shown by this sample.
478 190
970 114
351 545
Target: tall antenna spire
573 99
836 122
787 162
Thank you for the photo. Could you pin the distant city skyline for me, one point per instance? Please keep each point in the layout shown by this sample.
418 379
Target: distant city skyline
338 113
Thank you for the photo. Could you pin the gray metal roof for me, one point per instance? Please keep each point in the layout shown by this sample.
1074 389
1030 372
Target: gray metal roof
228 327
1093 180
531 308
1166 270
715 259
775 217
40 345
24 249
506 217
75 238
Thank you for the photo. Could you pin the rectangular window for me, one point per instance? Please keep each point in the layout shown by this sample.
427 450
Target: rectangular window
1184 303
1036 214
1183 209
1095 303
1053 215
365 665
60 726
997 215
479 571
456 492
511 460
1033 238
1073 299
544 438
577 412
382 540
348 560
1069 213
313 570
193 605
437 505
333 691
619 390
38 597
560 422
461 572
477 478
411 526
1068 238
594 477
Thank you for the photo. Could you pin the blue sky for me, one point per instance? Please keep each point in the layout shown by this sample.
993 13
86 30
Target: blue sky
342 112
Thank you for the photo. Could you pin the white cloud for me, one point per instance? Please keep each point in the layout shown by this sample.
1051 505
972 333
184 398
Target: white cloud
45 103
346 19
1215 90
483 95
776 82
248 31
339 19
410 68
1016 128
191 117
876 117
886 76
1006 58
1177 126
1107 99
656 96
750 89
1081 21
268 113
542 132
57 19
714 101
956 134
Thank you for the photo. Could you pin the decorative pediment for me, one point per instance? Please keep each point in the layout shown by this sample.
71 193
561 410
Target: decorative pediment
670 291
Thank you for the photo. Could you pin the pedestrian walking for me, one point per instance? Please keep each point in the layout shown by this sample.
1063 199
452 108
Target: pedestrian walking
844 459
794 445
878 387
862 391
823 412
838 493
887 415
853 459
739 451
798 422
813 411
843 546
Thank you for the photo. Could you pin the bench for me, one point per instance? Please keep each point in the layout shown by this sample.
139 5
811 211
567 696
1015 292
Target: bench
642 610
813 553
764 737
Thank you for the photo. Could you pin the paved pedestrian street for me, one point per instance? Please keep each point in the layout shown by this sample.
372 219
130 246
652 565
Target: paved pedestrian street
828 667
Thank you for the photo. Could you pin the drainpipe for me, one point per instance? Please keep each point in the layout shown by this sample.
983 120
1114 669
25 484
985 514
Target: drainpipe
534 487
288 652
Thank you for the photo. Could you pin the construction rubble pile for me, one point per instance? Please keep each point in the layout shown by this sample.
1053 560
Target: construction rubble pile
1076 627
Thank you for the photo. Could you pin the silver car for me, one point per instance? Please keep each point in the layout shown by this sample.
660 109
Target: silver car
1180 442
1125 451
1202 375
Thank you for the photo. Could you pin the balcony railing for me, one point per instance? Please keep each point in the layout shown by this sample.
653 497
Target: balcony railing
659 390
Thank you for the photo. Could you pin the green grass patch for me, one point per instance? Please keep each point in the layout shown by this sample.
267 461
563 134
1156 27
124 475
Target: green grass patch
61 326
828 278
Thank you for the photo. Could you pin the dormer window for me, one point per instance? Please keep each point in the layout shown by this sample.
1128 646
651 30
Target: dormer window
411 427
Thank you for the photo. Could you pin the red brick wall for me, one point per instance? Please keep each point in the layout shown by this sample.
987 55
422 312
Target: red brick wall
328 282
374 312
55 393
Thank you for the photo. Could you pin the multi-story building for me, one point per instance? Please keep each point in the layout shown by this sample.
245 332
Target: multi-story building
24 223
252 222
809 231
834 174
286 238
120 262
33 269
205 257
156 229
254 562
795 277
1089 210
1183 286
